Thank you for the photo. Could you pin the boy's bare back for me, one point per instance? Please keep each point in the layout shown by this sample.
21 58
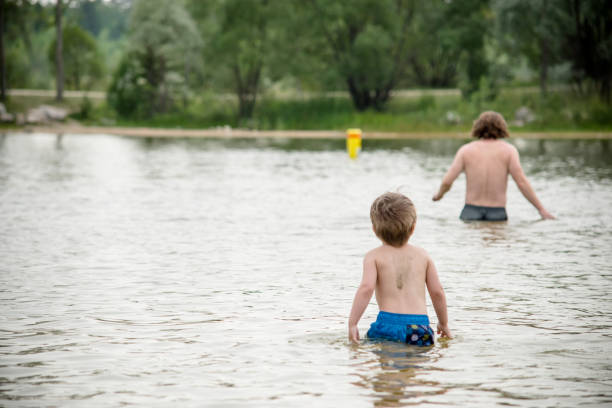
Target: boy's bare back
401 275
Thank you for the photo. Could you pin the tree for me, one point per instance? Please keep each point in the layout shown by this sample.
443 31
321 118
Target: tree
466 26
550 31
2 61
129 93
164 45
98 16
24 20
59 61
242 44
366 43
446 44
588 42
433 54
83 63
237 36
531 28
89 16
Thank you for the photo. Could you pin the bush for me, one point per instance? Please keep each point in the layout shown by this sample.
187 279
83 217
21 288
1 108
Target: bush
129 93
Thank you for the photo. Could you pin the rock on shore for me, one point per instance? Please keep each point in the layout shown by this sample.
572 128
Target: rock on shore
4 115
46 114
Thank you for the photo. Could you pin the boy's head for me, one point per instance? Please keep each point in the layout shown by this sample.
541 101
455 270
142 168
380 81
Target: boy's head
490 125
393 218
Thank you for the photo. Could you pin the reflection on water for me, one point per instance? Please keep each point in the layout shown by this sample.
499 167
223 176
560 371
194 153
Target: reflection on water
491 232
220 273
394 373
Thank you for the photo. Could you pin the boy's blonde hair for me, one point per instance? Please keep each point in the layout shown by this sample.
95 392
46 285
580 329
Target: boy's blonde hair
490 125
393 216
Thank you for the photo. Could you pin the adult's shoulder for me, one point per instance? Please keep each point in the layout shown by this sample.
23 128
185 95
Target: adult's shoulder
507 144
468 145
465 148
510 148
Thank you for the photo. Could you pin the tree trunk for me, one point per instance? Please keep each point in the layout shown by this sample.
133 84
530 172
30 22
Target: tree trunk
59 59
604 91
544 52
361 99
246 105
246 89
364 98
543 67
2 61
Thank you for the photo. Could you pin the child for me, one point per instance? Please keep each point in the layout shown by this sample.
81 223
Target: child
398 272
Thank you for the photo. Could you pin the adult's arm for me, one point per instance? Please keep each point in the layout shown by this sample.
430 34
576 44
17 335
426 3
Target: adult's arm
363 296
451 175
517 173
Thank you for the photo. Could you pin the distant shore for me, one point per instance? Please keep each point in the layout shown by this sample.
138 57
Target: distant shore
230 133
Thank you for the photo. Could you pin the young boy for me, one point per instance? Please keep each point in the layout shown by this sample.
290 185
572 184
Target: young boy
398 272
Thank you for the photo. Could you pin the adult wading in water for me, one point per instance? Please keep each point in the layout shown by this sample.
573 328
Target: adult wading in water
487 163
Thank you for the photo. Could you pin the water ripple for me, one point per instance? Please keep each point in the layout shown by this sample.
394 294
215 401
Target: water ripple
221 273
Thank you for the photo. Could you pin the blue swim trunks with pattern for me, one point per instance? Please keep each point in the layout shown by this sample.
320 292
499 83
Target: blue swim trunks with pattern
408 328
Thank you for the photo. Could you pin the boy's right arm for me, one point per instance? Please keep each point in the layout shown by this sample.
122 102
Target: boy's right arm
438 298
363 296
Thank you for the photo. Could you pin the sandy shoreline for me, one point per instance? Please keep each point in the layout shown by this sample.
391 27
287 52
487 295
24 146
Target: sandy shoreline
229 133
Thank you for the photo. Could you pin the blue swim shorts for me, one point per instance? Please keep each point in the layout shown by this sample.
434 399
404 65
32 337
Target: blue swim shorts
408 328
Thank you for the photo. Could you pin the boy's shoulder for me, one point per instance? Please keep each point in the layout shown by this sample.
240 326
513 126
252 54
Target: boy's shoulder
383 249
374 252
420 251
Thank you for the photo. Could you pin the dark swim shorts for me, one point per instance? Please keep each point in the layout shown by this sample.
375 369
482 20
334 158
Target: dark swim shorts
479 213
408 328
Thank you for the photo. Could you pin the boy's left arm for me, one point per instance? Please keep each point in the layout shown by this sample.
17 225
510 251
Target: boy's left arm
363 296
438 298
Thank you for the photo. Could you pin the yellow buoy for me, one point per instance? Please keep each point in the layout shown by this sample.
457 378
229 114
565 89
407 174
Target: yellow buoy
353 142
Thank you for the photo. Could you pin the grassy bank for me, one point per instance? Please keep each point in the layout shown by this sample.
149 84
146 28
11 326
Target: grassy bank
562 111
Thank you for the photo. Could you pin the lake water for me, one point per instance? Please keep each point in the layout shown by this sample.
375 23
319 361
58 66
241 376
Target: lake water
219 273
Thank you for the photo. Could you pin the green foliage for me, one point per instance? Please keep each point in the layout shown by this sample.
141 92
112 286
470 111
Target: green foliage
426 102
85 109
97 16
17 66
153 75
83 64
175 51
371 61
129 93
112 51
532 30
588 44
484 95
27 30
244 40
365 42
436 42
563 111
471 20
551 32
